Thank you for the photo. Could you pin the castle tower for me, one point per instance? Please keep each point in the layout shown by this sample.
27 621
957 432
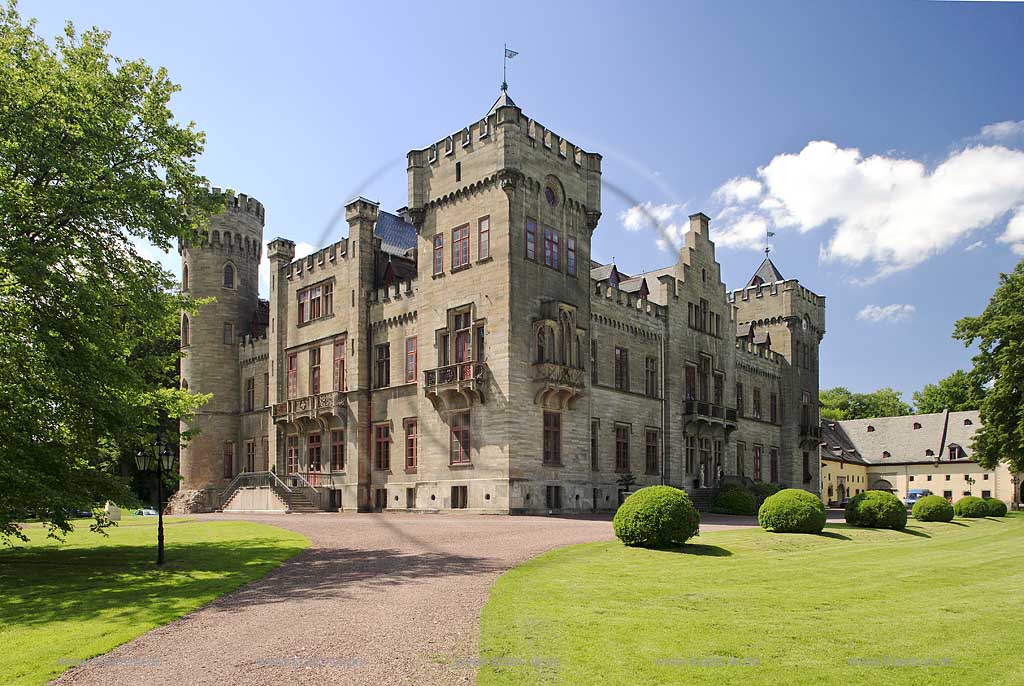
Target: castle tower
224 267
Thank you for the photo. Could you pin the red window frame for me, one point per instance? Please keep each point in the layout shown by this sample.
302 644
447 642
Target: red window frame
339 364
314 371
292 455
459 439
552 240
229 459
327 297
621 448
460 246
411 443
411 359
570 255
438 254
531 239
552 453
382 447
337 450
483 241
314 452
293 375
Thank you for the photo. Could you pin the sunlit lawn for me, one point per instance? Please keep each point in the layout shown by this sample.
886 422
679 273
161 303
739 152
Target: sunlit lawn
62 603
945 600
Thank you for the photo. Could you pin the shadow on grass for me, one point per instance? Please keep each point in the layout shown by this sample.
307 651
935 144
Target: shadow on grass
913 532
833 534
700 549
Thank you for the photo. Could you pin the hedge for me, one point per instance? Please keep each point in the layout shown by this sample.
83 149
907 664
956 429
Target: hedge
656 517
735 499
876 509
971 506
792 511
933 508
996 507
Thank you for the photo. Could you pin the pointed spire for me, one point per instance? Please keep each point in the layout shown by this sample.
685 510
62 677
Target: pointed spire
503 101
766 273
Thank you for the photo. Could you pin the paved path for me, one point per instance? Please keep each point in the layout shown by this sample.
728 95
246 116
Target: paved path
376 599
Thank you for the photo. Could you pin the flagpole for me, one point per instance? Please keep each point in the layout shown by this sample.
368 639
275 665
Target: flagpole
504 67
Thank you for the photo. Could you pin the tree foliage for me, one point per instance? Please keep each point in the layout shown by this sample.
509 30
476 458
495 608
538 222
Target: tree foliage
999 367
957 392
840 403
91 158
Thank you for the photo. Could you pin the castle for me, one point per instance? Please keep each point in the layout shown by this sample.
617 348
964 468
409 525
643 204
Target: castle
468 352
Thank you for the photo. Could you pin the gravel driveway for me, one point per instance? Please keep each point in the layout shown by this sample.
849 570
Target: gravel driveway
376 599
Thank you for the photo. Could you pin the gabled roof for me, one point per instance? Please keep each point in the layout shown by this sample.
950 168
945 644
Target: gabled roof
605 272
766 273
637 284
503 101
397 236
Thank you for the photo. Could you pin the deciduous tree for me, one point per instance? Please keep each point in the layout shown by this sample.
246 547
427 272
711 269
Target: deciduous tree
957 392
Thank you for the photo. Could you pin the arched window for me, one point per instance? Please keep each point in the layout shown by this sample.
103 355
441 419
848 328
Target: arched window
184 384
184 330
541 352
229 276
184 277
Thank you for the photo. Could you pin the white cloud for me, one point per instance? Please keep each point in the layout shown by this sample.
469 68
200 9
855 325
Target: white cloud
885 212
739 190
1003 131
301 250
974 246
668 220
886 313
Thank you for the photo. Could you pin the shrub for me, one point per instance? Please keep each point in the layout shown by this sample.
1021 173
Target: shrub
996 507
971 507
656 517
933 508
763 489
792 511
734 499
876 509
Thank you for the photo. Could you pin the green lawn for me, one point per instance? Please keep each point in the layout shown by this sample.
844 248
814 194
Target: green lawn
62 603
748 607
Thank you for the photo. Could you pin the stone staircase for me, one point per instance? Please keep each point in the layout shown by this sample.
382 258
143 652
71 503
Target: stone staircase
701 498
301 503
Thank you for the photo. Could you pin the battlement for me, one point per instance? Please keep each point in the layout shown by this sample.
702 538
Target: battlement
751 350
318 259
629 301
242 203
773 289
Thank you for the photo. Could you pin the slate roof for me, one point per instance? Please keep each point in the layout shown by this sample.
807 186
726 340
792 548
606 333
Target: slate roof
503 101
905 444
767 273
603 272
397 236
837 446
635 285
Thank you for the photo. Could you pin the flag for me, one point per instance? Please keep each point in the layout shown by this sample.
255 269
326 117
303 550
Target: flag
770 234
509 54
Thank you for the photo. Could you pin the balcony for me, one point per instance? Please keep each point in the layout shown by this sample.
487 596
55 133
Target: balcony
557 384
310 407
702 411
810 431
454 384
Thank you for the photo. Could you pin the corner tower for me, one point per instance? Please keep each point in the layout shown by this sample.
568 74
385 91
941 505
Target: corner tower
224 266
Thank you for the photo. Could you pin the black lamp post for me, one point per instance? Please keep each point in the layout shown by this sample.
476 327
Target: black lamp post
159 457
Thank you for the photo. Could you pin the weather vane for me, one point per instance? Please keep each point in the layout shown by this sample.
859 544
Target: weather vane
767 245
509 54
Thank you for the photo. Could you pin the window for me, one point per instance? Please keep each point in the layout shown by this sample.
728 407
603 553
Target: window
757 462
911 477
718 397
917 425
478 342
741 459
593 361
954 452
948 495
553 497
460 497
703 324
595 457
185 332
773 408
339 364
986 494
458 171
460 437
438 253
411 443
229 333
184 277
549 195
313 452
552 438
483 242
947 477
691 454
717 446
410 359
463 338
250 456
928 478
704 379
382 447
739 399
229 460
651 452
757 403
314 371
229 276
622 369
383 365
531 240
292 455
651 377
984 477
807 468
293 375
250 394
327 297
622 448
460 246
570 256
266 389
690 382
315 302
337 450
551 244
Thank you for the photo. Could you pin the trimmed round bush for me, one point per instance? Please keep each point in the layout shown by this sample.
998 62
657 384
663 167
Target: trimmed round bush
656 517
970 506
792 511
933 508
996 507
876 509
734 499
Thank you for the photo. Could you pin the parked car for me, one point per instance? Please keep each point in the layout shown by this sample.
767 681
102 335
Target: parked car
915 494
146 512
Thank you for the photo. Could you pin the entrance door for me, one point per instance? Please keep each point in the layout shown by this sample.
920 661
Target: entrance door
410 498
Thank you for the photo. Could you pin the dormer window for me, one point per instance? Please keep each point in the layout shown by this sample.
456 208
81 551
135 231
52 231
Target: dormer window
886 454
929 453
955 451
968 422
917 425
870 428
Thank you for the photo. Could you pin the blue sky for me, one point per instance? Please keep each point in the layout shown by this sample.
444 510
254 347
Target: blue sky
695 106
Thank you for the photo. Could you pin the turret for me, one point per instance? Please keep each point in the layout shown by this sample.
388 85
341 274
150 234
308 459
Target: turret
223 266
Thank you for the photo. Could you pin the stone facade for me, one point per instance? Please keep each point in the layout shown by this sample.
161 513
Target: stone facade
467 352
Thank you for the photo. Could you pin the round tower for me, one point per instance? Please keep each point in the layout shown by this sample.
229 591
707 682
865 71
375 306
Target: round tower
225 266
